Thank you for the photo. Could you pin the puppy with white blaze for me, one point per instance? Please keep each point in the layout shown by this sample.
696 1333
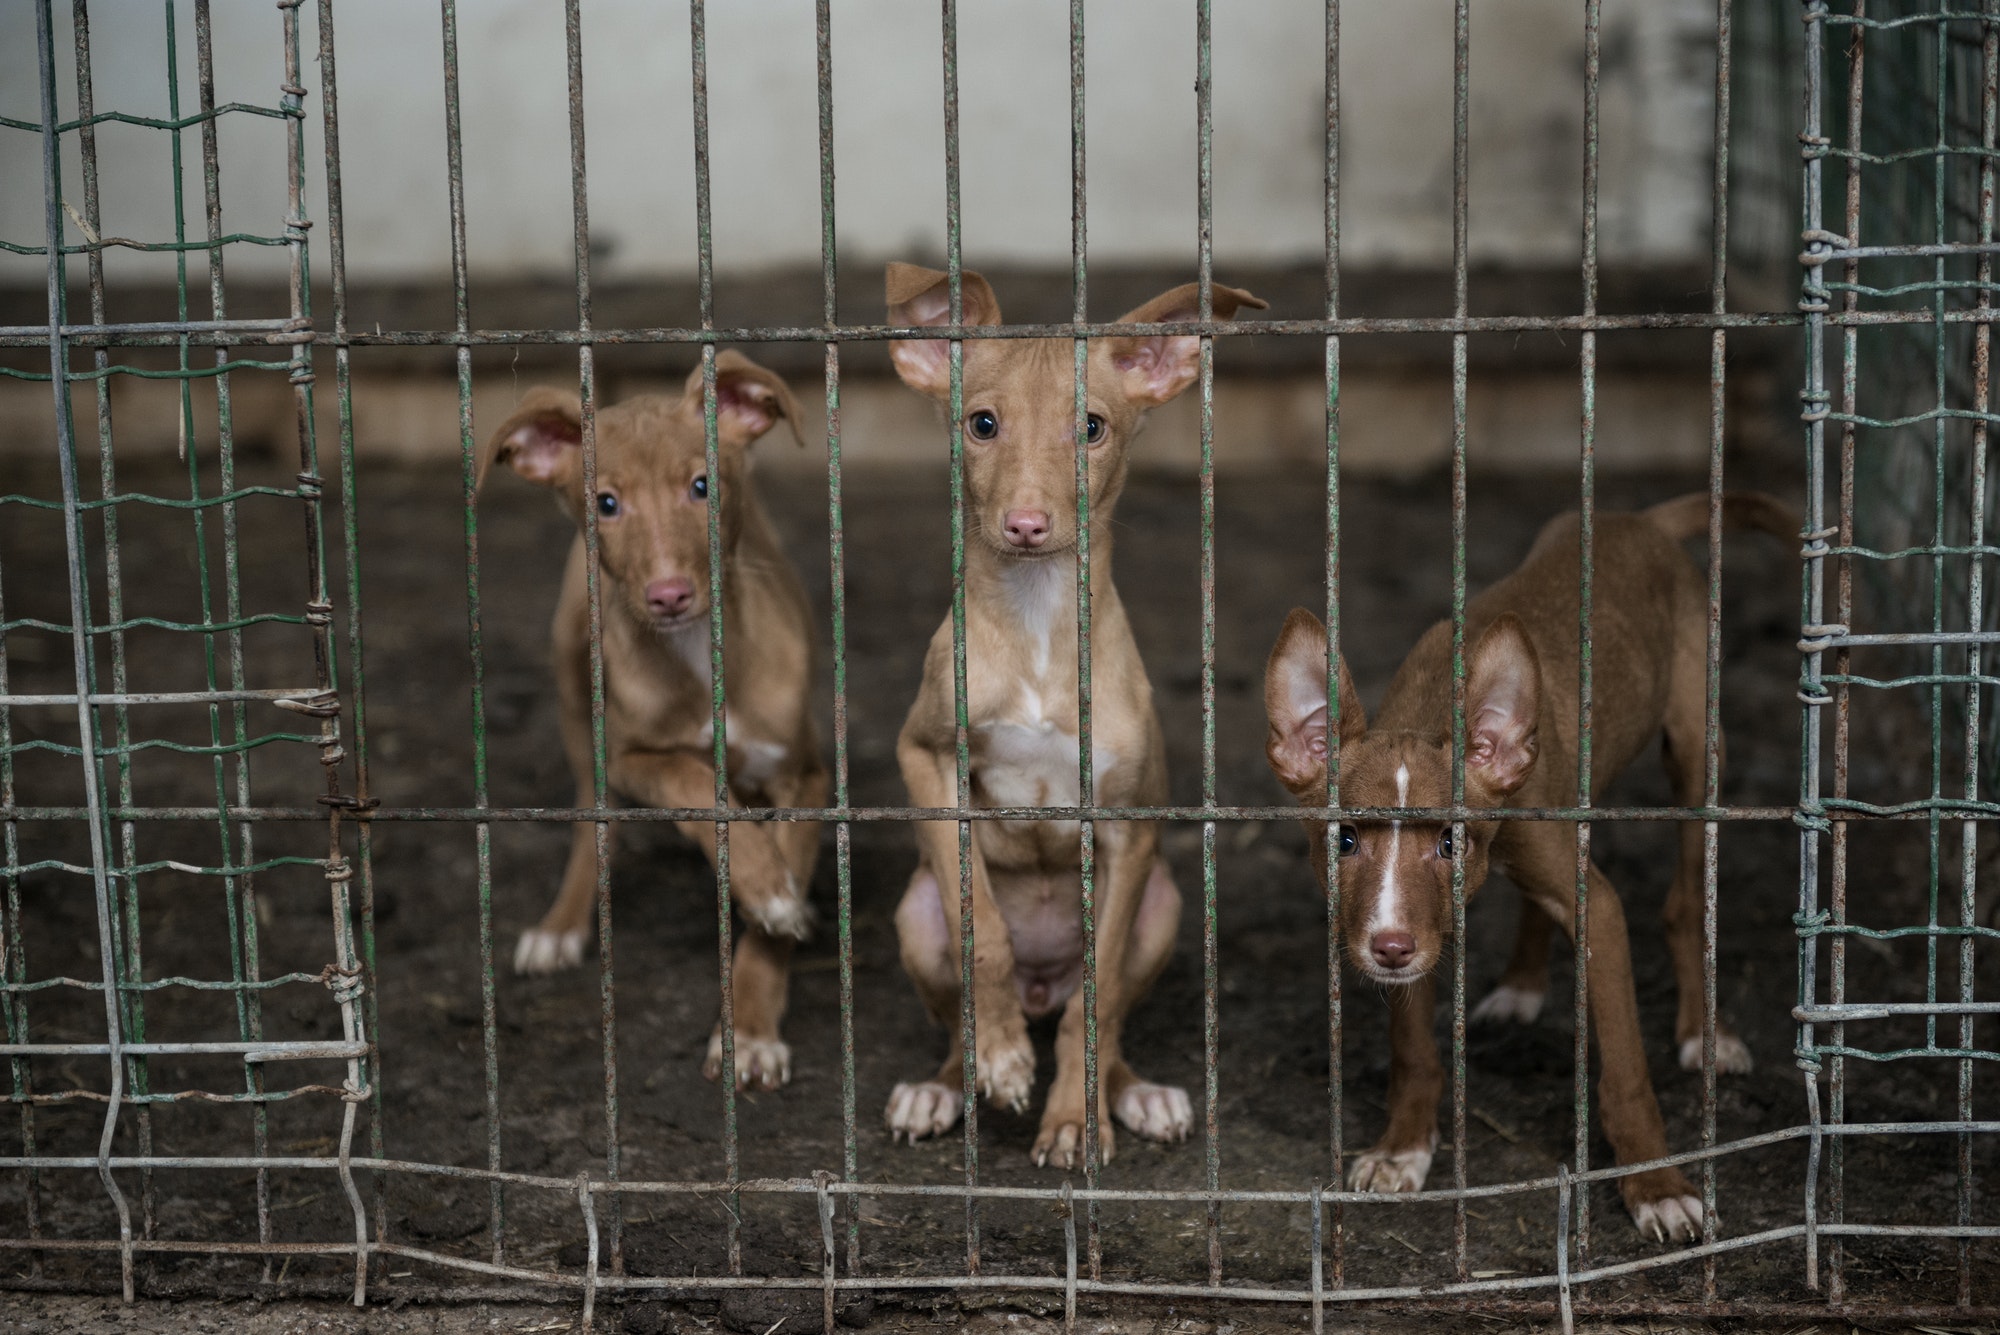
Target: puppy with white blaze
1649 671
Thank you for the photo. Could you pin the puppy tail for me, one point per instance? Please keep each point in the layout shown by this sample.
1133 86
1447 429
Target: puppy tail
1687 516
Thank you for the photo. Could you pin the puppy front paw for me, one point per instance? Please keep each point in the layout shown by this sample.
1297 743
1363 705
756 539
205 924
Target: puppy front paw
922 1108
1664 1206
1061 1140
786 915
1007 1072
1156 1112
1507 1004
761 1063
1388 1171
1732 1054
542 951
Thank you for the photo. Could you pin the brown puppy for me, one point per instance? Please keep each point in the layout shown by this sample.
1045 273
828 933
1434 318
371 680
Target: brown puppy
1648 655
652 499
1021 685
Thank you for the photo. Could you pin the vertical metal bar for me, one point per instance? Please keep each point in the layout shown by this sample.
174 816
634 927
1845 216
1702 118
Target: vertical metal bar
593 596
250 1006
1331 871
1982 402
1718 303
351 548
1585 582
836 530
718 701
1085 761
1204 102
1461 233
954 286
133 1004
1812 580
1850 363
455 162
79 611
319 616
1318 1262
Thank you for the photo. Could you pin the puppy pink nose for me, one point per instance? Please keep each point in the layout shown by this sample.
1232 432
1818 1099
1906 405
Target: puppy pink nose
670 597
1027 528
1392 950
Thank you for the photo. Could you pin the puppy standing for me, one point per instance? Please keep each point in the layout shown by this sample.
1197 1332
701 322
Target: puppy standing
1021 685
652 501
1649 664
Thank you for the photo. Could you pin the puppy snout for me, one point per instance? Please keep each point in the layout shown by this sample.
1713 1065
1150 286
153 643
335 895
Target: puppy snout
1026 529
1392 950
670 597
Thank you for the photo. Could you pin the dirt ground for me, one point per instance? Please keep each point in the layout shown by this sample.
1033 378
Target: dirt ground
1272 1108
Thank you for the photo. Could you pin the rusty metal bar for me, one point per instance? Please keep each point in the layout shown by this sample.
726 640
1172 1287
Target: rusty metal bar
718 690
1586 541
483 833
1461 240
79 600
1330 871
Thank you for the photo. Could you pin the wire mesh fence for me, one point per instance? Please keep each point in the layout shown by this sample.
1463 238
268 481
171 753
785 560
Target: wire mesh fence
78 766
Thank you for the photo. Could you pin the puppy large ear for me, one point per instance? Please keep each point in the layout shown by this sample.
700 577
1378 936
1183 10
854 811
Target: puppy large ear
1156 368
749 400
542 441
1503 690
1295 702
919 296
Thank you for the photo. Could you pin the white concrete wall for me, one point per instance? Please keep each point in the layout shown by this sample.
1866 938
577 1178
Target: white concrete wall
1526 132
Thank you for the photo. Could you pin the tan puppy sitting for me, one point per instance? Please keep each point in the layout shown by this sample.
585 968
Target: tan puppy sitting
1649 665
1021 682
652 497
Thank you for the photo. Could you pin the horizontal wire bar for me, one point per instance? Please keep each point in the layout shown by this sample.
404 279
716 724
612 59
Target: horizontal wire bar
157 122
568 1186
282 696
250 1052
1842 1013
1317 328
156 984
40 333
1416 815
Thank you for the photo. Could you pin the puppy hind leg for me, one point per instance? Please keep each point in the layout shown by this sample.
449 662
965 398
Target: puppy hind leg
921 1108
1155 1112
1517 997
1683 755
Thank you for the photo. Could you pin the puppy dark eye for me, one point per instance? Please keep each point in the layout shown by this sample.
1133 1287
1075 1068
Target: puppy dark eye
699 489
1444 845
983 425
1348 843
1093 429
607 505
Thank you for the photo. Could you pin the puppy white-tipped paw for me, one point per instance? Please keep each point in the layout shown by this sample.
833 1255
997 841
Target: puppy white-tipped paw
1732 1055
1061 1144
785 915
1156 1112
922 1108
1672 1219
1389 1172
541 951
1007 1076
1507 1004
761 1063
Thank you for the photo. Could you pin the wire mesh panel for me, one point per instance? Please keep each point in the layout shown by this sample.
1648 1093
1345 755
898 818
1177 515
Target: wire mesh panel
1899 215
126 761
